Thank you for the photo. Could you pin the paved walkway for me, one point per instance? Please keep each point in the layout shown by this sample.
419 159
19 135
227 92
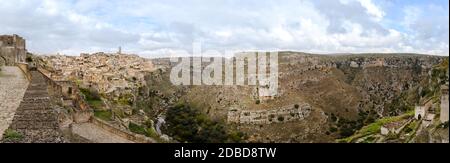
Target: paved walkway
96 134
13 85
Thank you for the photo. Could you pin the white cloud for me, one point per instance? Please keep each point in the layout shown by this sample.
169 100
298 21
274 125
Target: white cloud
160 27
372 9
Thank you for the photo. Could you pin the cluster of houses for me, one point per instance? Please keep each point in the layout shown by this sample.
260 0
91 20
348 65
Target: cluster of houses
111 74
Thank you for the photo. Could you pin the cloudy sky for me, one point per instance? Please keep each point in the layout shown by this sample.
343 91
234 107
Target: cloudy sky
153 28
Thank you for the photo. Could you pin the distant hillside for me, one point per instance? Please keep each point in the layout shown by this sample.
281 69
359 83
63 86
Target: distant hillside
345 92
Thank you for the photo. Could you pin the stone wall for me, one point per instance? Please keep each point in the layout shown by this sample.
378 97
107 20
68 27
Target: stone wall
68 91
122 133
278 115
25 69
444 108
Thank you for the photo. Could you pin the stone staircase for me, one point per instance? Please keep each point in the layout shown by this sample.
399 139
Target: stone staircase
35 120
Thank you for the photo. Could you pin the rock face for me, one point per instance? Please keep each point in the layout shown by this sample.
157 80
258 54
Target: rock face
321 97
278 115
338 88
35 120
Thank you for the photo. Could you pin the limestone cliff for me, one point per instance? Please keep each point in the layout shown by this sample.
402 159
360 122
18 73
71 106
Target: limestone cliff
344 93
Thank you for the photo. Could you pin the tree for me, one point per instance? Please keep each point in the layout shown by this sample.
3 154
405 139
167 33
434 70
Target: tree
29 59
187 124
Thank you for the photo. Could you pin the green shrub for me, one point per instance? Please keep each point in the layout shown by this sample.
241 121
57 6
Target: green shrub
151 132
138 129
333 129
12 135
186 124
333 117
104 115
236 137
29 59
444 125
90 95
145 129
96 105
346 132
125 100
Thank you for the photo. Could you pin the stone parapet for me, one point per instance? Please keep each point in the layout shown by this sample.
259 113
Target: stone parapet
122 133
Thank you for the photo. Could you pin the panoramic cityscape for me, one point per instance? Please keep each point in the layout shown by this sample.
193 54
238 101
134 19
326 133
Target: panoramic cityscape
344 71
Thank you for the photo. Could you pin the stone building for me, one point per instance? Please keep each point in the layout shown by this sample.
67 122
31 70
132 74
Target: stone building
419 112
422 110
12 49
275 115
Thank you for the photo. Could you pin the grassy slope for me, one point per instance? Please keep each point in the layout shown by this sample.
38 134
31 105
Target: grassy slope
375 127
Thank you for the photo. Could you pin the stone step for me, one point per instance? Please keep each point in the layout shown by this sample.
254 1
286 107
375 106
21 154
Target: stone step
40 116
34 111
36 94
37 88
37 99
41 136
44 108
38 103
38 81
36 91
29 106
33 125
35 118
